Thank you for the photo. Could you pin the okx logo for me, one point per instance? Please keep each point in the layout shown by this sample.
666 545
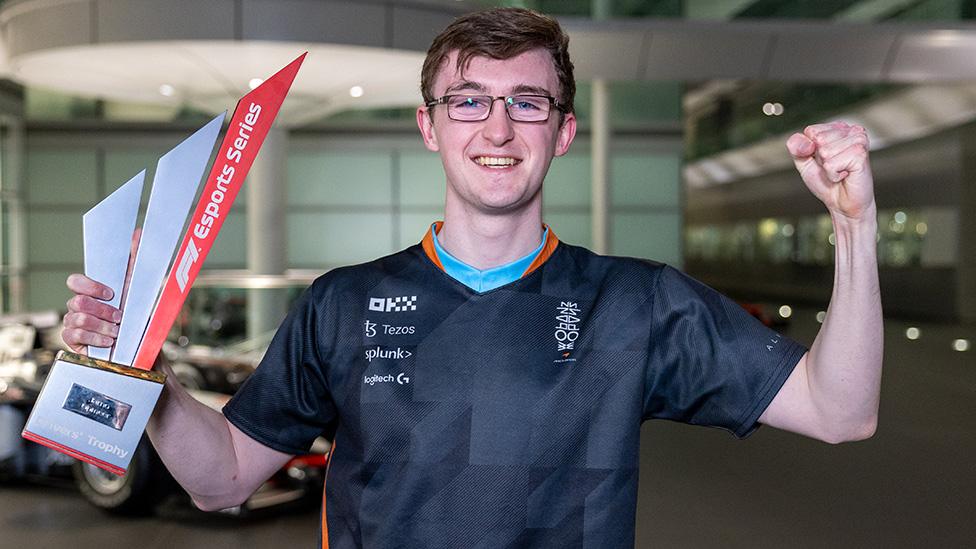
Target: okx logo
393 304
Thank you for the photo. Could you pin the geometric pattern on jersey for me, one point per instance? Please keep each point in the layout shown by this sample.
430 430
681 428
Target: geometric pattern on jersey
506 418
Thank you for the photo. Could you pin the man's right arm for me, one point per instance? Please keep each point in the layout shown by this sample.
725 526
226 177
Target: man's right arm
216 463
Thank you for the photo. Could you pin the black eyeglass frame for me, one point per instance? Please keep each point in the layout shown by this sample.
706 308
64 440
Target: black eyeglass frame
553 102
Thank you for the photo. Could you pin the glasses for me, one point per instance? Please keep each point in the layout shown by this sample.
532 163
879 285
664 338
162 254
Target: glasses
520 108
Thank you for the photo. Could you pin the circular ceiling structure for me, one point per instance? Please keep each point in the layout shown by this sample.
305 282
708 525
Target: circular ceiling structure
368 53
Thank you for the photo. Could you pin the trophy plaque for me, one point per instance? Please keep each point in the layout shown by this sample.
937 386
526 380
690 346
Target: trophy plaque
95 408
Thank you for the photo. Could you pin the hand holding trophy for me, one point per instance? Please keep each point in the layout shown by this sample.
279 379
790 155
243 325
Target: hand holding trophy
95 407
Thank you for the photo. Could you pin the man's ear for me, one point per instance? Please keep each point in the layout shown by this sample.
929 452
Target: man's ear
567 132
425 122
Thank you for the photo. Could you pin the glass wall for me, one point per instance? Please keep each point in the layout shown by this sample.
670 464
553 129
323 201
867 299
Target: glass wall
921 237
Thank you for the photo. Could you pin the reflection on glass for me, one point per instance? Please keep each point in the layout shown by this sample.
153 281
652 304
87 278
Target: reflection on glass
905 236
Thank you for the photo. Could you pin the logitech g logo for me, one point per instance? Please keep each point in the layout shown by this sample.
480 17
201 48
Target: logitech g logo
401 379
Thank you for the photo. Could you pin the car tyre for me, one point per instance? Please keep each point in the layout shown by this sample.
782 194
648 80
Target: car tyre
136 493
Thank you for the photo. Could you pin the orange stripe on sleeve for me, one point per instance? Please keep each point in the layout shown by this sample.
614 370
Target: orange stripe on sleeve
325 517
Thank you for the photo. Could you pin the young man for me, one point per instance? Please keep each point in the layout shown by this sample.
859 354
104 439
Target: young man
486 387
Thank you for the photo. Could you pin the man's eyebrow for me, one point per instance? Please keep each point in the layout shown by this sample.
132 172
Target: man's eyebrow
465 85
534 90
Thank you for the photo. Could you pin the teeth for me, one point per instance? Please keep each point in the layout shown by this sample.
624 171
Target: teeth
495 161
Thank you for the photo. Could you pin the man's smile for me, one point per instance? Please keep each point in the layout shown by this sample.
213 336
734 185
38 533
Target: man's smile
496 162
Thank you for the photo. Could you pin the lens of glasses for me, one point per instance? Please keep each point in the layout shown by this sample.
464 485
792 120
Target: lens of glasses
523 108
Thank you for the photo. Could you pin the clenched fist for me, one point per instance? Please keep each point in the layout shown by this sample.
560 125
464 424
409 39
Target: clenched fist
833 161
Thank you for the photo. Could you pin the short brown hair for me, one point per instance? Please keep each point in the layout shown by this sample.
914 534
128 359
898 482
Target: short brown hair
501 33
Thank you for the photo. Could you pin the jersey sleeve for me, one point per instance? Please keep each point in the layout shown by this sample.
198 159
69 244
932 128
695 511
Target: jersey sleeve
710 362
286 403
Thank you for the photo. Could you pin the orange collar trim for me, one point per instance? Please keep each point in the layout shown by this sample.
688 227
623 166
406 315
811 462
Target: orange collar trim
547 248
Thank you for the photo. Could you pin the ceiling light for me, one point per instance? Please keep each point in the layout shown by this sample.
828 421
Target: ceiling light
821 315
786 311
768 109
777 109
913 333
356 91
167 90
960 345
255 82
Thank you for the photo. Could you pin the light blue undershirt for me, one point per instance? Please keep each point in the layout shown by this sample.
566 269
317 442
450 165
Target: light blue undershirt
489 279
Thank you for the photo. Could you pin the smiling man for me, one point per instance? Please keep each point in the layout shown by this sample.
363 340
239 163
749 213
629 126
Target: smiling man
486 387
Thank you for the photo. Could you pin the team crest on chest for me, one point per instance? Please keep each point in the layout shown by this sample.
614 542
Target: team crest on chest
567 330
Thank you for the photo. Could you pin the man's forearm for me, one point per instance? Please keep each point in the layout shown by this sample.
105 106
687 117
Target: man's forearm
197 448
844 364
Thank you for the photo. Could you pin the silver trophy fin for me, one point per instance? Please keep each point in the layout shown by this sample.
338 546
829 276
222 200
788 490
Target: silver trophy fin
178 176
106 247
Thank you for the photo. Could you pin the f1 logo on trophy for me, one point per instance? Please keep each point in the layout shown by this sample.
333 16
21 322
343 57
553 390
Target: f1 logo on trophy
95 408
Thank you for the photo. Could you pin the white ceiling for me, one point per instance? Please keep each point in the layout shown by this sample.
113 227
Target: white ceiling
212 76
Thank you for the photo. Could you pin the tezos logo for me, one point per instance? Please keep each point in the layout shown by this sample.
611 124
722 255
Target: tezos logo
567 325
393 304
388 329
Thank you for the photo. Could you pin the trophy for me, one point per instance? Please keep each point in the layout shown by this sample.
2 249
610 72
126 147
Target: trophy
95 408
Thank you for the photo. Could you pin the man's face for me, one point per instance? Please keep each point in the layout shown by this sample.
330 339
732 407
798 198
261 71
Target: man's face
497 165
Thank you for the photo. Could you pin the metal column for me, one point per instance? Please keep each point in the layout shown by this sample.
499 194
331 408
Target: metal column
600 152
266 234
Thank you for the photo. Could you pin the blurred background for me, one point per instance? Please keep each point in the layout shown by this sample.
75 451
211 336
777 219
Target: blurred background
684 106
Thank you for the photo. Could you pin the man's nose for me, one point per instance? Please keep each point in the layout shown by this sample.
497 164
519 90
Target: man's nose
498 128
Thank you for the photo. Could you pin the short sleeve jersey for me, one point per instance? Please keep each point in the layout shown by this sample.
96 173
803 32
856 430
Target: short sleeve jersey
506 418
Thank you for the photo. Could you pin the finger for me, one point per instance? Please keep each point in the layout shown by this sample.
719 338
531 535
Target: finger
88 305
803 151
815 130
81 284
800 146
833 148
827 137
77 339
90 323
853 159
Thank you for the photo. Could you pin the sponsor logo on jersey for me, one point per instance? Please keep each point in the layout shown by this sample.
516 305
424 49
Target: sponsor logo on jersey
567 325
387 329
393 304
400 378
773 341
392 354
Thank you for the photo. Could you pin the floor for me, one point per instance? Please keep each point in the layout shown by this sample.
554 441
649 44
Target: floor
912 485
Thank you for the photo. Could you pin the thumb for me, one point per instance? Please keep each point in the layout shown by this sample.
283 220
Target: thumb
802 149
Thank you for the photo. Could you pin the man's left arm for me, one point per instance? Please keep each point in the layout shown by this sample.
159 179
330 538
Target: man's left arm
834 391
